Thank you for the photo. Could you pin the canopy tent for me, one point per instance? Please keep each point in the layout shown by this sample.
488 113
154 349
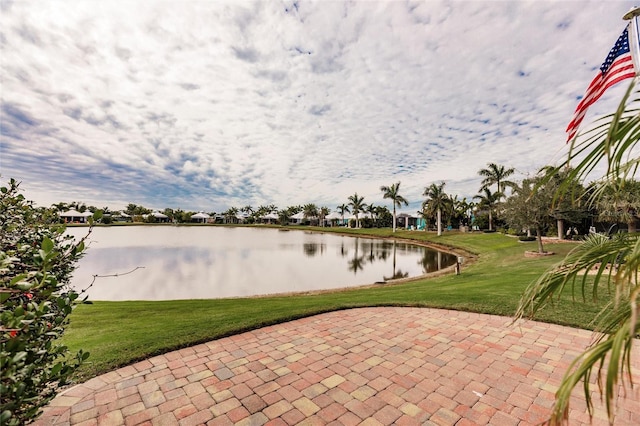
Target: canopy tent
74 216
200 217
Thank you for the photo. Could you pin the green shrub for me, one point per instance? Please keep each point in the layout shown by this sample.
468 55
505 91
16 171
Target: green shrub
527 238
36 262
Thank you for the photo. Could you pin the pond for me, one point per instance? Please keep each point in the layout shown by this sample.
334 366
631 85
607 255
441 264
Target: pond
205 262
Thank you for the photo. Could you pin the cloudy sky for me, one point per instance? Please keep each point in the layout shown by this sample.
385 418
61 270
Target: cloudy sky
210 104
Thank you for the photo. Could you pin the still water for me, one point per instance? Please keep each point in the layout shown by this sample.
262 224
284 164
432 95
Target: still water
203 262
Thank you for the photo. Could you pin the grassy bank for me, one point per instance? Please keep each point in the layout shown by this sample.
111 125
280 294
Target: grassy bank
117 333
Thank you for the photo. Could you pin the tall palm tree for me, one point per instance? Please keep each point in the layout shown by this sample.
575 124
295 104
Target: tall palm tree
489 200
310 211
371 209
611 141
323 212
393 193
356 203
342 209
437 201
496 174
231 215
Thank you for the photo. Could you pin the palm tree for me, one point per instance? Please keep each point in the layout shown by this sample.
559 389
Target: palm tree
437 201
620 202
489 200
393 193
356 203
324 211
342 208
496 174
612 140
310 211
231 215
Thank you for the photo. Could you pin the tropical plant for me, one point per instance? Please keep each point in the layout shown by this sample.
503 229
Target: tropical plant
531 207
323 212
612 141
489 200
230 216
356 203
342 209
437 201
310 211
496 174
620 202
36 263
393 193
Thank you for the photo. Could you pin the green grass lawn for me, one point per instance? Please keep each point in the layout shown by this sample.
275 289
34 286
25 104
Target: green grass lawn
118 333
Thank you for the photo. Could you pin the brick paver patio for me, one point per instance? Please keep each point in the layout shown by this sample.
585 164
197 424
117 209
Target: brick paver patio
370 366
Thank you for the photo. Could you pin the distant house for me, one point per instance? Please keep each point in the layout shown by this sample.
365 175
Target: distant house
296 219
409 221
200 217
159 217
121 217
270 218
334 219
74 216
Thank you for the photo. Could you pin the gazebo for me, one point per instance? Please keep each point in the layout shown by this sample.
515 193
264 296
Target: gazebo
74 216
200 217
334 217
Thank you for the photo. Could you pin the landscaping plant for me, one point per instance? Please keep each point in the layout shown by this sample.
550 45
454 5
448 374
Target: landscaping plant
613 141
36 262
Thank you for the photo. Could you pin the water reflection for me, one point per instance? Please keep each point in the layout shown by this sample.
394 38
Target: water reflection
214 262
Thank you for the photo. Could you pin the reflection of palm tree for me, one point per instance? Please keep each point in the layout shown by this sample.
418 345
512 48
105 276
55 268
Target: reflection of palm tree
397 275
310 249
429 261
357 263
343 251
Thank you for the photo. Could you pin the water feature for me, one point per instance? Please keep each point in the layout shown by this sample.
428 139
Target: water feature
202 262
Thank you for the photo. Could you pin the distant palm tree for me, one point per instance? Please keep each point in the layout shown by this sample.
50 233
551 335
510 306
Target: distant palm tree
231 215
310 211
393 193
323 212
437 201
357 203
489 200
620 202
342 208
496 174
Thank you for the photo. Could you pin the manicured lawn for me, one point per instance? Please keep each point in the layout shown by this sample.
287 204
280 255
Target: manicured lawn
118 333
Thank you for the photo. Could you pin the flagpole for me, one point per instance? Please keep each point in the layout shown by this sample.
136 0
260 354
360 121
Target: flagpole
634 40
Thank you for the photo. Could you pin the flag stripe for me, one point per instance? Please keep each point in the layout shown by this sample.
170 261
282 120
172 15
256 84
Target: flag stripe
618 66
621 69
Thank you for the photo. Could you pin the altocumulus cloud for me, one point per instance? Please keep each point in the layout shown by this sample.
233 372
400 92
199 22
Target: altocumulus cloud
207 105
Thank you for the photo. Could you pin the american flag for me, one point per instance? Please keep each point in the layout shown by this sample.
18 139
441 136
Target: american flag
617 67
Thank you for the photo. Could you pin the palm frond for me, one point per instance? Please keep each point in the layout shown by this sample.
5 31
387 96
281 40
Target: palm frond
617 260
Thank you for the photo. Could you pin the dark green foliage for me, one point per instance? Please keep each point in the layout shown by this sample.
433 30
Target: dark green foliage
36 262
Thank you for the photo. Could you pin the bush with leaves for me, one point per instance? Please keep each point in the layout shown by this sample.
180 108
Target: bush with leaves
36 262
